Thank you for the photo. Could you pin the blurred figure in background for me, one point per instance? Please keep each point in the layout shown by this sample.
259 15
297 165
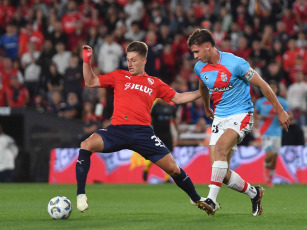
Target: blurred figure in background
270 130
163 115
295 134
8 154
17 95
297 98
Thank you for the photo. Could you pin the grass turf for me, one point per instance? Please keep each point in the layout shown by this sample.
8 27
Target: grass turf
24 206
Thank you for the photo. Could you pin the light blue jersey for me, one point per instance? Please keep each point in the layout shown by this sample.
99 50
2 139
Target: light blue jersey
229 89
270 126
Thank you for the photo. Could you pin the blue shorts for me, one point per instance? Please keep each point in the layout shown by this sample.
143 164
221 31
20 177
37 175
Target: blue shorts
138 138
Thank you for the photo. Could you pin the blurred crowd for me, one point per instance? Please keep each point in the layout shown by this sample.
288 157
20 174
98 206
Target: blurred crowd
41 47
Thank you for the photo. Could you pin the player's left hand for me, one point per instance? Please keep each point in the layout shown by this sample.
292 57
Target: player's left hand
284 119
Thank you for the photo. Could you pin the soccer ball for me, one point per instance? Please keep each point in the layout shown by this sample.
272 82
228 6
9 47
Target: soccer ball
59 207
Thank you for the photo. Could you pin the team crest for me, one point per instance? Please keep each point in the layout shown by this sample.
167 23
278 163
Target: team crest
151 81
224 77
206 77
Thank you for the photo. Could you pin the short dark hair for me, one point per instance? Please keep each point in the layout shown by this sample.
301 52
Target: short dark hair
140 47
199 37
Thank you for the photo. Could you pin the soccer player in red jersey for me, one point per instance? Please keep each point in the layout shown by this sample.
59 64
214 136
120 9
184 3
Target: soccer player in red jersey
134 94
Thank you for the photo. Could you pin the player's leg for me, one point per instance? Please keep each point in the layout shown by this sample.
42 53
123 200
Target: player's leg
146 169
182 180
269 160
272 152
92 144
269 167
219 167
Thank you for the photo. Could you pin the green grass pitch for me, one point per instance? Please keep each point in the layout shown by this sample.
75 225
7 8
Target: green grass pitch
24 206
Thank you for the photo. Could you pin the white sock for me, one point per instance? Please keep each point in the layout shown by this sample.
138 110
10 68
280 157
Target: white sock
219 170
238 184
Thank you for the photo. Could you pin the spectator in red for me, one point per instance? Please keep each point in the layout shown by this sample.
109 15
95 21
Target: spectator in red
17 95
300 12
7 71
76 37
28 34
6 12
180 47
168 64
70 18
198 8
289 20
95 20
299 66
289 56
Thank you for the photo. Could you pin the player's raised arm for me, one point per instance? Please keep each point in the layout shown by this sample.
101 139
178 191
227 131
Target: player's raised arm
182 98
90 79
283 116
206 99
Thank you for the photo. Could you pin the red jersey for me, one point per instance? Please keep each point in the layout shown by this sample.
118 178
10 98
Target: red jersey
134 96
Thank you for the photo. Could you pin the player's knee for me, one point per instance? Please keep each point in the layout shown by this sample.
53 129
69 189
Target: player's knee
86 145
174 171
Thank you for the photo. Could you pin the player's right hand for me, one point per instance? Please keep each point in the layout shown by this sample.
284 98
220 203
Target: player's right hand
209 113
87 53
284 119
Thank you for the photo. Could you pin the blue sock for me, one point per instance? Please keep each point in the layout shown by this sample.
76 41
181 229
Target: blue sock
184 182
82 167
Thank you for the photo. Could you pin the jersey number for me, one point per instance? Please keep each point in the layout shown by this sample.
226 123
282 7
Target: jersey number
215 129
158 141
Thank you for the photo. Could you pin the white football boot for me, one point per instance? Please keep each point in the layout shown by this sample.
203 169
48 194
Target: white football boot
82 202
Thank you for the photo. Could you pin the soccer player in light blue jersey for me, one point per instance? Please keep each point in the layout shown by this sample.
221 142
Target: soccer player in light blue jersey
270 131
226 79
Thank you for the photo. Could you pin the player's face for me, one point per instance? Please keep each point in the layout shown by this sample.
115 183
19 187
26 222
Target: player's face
136 63
201 52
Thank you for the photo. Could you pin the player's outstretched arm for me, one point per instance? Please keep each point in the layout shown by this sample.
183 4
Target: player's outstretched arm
283 116
182 98
90 79
206 99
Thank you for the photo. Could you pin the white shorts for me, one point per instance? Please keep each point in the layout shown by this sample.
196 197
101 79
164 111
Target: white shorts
271 144
242 123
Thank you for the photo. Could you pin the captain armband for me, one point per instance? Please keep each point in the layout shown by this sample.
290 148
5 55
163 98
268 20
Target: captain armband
249 74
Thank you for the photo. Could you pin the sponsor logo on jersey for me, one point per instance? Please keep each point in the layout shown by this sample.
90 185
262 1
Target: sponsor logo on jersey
224 77
139 87
223 89
206 77
151 81
128 77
